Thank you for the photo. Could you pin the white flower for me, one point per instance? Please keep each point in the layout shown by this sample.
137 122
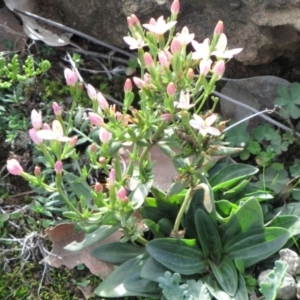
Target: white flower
184 101
204 126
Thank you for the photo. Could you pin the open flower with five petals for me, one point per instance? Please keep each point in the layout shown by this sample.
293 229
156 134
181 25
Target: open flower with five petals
204 126
202 50
133 43
159 26
184 101
56 133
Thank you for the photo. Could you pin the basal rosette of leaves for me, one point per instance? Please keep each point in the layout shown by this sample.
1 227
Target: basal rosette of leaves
200 229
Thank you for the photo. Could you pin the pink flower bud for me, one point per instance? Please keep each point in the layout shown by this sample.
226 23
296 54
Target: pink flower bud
56 108
58 167
13 167
166 117
139 82
70 76
133 20
130 21
98 187
175 45
204 66
175 7
127 86
93 148
34 137
73 141
36 119
122 195
147 78
92 93
219 28
104 135
219 68
37 171
102 101
111 177
46 126
171 89
95 119
118 115
190 73
102 160
148 59
163 59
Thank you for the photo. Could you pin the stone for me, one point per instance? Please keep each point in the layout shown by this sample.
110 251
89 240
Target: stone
266 29
292 259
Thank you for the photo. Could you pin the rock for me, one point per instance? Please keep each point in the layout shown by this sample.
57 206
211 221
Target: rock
287 291
257 92
265 29
292 259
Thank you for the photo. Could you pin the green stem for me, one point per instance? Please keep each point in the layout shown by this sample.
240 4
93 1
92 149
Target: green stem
187 198
141 240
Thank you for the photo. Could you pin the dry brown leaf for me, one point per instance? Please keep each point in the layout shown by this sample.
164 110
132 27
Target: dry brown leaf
64 234
87 291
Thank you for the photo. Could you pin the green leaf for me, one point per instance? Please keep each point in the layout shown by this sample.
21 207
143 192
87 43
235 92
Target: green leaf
291 223
274 280
114 284
181 256
237 135
256 245
138 196
152 269
226 275
154 228
117 253
208 235
240 221
91 238
236 190
231 175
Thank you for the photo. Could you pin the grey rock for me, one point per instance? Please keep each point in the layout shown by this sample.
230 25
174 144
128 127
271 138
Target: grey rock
292 259
265 29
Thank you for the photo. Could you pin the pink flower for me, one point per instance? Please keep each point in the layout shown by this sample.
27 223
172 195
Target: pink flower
175 45
184 101
36 119
163 59
56 133
190 73
175 7
219 28
37 171
46 126
185 37
121 194
92 93
58 167
98 187
104 135
219 68
220 49
70 76
127 86
73 141
160 26
102 101
202 50
204 66
139 82
204 126
133 43
34 137
111 177
56 108
171 89
133 20
14 167
95 119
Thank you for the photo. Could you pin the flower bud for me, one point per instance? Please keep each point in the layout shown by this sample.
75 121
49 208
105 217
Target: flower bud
102 101
37 171
111 177
163 60
175 45
139 82
175 7
102 160
56 108
104 135
73 141
171 89
148 59
133 20
93 148
190 73
70 76
95 119
122 195
91 91
36 119
58 167
34 137
219 28
98 187
14 167
166 117
127 86
219 68
46 126
204 66
118 115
